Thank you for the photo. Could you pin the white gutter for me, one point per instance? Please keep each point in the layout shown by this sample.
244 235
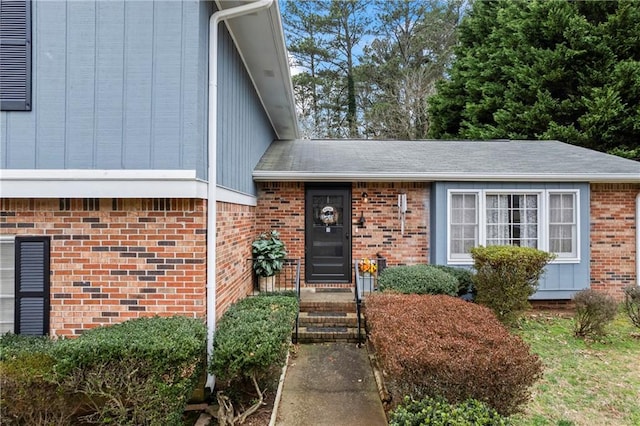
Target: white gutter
214 20
277 176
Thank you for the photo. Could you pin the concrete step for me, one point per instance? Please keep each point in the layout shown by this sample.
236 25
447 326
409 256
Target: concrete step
328 334
328 319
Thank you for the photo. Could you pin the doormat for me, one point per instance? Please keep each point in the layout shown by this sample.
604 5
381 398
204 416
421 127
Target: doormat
333 290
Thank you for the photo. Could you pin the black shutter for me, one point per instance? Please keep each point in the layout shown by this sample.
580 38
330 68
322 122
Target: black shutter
15 55
32 286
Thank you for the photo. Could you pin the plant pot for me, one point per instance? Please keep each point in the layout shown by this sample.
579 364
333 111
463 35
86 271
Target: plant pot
267 284
368 283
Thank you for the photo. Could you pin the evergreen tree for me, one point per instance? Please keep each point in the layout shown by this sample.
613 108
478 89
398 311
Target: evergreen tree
310 55
324 37
545 70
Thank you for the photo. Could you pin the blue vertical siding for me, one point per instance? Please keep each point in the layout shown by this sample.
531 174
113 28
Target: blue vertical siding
561 280
50 94
116 85
138 84
80 93
244 130
109 104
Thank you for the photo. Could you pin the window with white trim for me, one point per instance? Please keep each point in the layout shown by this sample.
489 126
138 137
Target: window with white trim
464 224
7 284
563 224
512 220
543 219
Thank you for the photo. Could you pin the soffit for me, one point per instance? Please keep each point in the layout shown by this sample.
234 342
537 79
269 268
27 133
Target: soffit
259 38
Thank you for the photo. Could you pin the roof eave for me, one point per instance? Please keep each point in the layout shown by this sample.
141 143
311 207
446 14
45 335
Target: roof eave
266 60
266 176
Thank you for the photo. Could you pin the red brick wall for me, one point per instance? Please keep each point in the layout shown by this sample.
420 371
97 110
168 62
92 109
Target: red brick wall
281 207
129 258
234 234
613 237
382 230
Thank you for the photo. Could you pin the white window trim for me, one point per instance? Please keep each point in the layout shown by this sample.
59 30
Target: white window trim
543 220
564 259
462 259
9 239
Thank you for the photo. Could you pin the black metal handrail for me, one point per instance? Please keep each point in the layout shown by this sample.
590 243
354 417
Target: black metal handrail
358 286
365 283
288 279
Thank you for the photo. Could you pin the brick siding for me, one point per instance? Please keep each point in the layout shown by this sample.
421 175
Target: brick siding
613 237
281 207
382 232
234 234
116 259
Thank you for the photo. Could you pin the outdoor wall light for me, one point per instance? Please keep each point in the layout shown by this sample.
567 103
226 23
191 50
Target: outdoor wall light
365 197
361 220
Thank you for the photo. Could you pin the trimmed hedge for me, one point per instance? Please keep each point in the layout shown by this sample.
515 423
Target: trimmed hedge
444 346
438 412
464 277
249 347
506 276
140 372
29 391
418 279
253 335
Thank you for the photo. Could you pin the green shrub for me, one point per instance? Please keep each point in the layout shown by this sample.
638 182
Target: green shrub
141 371
418 279
594 311
12 345
506 276
252 336
30 393
425 352
250 344
632 303
438 412
464 277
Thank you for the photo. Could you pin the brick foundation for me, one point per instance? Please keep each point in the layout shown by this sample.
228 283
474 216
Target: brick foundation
116 259
613 237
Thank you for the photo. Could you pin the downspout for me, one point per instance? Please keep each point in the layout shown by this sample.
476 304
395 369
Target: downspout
212 144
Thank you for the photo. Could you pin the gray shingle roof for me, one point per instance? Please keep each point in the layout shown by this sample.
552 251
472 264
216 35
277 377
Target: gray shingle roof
382 160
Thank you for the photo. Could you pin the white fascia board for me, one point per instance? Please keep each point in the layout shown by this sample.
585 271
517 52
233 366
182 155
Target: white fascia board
261 176
227 195
38 183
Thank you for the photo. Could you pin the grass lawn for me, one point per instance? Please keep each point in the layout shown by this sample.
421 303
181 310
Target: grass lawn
585 382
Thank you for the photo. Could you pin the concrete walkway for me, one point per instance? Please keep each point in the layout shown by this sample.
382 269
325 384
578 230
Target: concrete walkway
330 384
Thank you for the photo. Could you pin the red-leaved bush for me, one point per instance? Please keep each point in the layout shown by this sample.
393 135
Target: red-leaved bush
443 346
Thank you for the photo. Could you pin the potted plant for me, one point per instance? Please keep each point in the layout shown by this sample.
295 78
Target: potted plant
268 258
367 269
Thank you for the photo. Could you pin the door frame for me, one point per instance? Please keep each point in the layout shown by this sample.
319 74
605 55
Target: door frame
347 219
